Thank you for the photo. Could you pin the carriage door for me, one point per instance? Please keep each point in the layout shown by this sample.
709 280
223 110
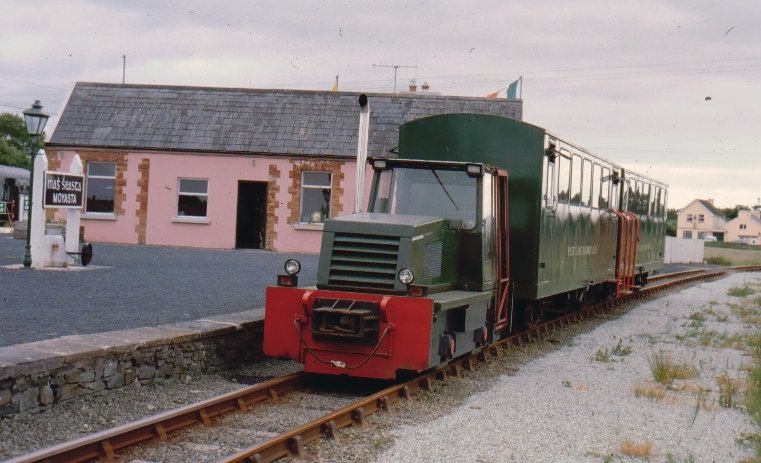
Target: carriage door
547 250
503 310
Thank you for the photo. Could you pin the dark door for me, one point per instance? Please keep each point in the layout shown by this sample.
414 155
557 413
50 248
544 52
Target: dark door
252 215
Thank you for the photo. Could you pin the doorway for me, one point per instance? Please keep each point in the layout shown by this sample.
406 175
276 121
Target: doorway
252 215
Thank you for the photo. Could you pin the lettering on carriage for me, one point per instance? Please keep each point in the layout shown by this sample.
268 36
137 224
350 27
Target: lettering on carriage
574 251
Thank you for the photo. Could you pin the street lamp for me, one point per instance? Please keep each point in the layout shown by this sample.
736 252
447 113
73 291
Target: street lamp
35 121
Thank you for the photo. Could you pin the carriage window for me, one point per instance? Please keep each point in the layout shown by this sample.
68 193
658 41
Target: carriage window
663 203
564 168
596 176
654 192
604 203
645 202
586 184
576 180
549 184
630 201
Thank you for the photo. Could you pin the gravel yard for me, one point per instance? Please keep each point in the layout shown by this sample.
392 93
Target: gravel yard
584 395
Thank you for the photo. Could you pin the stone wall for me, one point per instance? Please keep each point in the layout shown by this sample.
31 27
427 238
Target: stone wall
30 386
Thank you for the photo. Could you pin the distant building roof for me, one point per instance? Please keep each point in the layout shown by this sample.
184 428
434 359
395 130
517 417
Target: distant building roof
248 121
707 204
14 172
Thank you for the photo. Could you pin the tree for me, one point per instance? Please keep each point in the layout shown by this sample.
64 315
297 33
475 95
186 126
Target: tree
15 143
731 212
671 216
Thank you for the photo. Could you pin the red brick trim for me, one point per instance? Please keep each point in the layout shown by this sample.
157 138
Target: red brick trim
142 199
273 189
299 166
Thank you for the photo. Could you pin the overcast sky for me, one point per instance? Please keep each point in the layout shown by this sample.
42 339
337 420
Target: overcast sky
669 88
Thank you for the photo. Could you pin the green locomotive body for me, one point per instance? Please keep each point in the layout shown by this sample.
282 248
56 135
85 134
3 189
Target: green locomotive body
480 226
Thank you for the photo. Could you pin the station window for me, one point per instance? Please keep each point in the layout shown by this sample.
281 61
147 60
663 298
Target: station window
687 234
564 169
743 226
315 197
701 218
101 185
576 180
689 217
701 235
192 197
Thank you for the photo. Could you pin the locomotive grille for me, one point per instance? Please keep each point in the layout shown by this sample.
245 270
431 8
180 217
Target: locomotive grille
364 261
432 259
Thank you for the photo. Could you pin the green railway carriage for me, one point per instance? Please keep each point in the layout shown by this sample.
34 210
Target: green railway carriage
562 201
479 227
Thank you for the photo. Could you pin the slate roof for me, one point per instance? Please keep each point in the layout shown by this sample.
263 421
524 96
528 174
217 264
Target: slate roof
711 207
247 121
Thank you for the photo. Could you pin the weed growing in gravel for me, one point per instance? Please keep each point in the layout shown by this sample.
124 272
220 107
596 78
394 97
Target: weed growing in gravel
638 450
728 389
665 371
602 355
670 458
741 291
619 350
652 392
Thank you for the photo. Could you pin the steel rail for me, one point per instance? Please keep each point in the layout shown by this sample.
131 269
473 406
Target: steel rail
293 442
103 445
681 273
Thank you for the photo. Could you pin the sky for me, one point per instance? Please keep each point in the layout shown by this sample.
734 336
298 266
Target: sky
671 89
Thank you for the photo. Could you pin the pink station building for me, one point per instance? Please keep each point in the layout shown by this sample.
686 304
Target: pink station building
228 167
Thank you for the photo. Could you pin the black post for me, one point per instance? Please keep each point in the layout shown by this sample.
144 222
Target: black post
28 250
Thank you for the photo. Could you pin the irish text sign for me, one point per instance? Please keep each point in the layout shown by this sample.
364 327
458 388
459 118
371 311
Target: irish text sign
63 190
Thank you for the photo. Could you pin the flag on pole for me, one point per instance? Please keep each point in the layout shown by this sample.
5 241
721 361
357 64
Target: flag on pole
512 90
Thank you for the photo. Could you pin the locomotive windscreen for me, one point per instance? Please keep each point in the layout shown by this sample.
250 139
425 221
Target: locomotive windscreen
446 193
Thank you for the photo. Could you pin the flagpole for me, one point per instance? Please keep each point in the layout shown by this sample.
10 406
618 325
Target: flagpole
520 95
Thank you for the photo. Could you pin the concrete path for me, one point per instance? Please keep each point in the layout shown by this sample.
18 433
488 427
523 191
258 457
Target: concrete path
129 286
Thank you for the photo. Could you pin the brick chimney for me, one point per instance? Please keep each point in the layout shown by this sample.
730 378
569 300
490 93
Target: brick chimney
413 85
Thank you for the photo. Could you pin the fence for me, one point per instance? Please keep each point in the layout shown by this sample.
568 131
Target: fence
682 251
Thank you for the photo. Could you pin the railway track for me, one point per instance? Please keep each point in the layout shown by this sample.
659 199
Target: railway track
106 444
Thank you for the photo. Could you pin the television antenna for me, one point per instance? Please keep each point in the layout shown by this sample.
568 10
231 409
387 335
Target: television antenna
396 68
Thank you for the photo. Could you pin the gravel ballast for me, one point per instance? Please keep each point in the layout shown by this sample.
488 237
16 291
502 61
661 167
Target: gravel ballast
573 405
570 397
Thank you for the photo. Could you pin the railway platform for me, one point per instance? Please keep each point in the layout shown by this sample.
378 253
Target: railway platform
135 314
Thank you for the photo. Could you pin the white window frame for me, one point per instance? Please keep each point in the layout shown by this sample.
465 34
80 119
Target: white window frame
306 186
88 176
191 218
687 234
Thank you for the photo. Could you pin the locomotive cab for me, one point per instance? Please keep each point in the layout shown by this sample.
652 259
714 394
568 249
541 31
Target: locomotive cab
406 285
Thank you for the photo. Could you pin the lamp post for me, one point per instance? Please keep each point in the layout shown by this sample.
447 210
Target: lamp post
35 120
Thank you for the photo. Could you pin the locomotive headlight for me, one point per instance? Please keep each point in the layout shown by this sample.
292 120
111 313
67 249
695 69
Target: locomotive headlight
406 276
292 266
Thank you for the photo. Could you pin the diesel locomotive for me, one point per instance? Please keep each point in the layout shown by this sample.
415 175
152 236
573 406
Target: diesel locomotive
478 227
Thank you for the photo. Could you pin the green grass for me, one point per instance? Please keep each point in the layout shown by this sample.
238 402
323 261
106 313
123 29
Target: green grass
619 350
725 245
719 260
665 370
741 291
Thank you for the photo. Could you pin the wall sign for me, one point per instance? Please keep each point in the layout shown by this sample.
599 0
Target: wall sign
63 190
